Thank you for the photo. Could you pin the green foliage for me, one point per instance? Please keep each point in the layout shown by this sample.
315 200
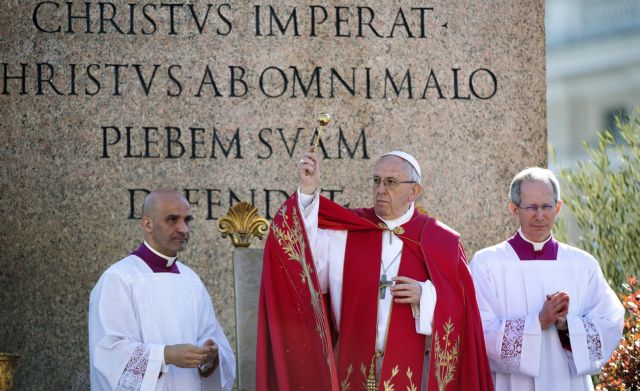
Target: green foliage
603 194
560 230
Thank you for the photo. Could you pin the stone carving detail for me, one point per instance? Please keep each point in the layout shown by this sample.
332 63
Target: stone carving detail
242 223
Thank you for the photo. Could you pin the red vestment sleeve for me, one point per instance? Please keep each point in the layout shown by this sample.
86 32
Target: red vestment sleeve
294 350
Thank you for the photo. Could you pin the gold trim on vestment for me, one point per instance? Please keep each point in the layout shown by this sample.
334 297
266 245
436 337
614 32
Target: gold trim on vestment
399 230
446 356
345 384
291 239
371 384
445 361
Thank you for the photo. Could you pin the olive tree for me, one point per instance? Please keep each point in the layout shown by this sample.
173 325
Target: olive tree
603 194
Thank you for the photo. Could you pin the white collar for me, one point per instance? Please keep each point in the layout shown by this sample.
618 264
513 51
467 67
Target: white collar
170 260
391 224
537 246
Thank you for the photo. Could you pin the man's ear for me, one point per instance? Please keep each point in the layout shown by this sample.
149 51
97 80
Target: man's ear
416 190
147 224
513 208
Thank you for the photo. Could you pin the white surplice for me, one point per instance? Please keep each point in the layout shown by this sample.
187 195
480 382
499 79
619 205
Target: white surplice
328 248
134 313
511 294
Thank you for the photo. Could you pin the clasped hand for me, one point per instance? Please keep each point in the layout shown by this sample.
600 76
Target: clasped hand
190 356
554 311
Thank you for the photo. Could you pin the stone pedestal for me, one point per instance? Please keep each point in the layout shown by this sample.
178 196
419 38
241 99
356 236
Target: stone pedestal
101 101
247 265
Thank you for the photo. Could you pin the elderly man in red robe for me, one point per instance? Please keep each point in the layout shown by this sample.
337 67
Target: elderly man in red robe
379 280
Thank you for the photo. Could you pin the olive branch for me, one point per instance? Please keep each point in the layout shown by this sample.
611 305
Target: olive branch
446 356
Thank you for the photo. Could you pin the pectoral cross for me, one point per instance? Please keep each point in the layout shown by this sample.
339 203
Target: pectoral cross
384 283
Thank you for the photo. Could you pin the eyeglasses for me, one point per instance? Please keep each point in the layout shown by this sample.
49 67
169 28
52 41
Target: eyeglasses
387 182
546 208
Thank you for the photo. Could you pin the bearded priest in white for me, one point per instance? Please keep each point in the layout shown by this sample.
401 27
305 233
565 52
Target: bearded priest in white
152 325
550 319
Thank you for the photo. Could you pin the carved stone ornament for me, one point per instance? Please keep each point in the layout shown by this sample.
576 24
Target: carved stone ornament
242 223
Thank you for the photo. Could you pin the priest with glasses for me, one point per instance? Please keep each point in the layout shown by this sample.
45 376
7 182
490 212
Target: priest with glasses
550 319
391 276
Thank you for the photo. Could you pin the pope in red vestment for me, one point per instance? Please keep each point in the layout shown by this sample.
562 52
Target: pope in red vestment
299 349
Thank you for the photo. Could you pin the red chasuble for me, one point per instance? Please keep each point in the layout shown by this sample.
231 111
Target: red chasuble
294 350
431 251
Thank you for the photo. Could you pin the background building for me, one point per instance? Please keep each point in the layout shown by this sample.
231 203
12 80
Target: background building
593 70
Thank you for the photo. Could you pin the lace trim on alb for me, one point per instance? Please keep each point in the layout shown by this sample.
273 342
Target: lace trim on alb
131 378
594 344
512 343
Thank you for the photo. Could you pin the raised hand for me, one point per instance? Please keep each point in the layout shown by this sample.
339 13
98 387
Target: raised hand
309 171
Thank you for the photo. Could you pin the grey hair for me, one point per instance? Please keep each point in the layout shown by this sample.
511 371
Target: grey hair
408 168
535 174
411 172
